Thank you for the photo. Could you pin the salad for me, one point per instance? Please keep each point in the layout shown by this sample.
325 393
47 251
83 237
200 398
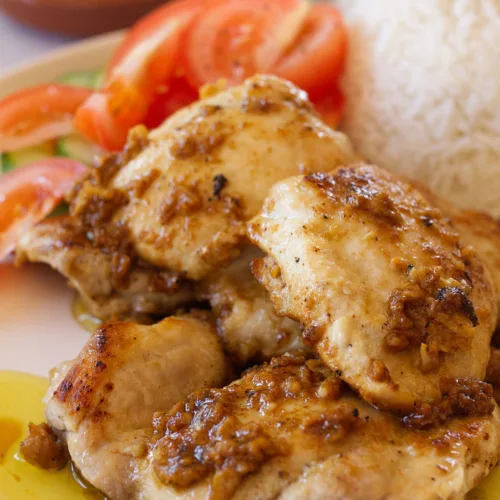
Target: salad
51 134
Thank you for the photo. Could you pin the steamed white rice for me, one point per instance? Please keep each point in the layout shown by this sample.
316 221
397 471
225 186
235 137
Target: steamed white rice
423 89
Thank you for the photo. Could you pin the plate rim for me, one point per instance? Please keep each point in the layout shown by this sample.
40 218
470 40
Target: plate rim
74 54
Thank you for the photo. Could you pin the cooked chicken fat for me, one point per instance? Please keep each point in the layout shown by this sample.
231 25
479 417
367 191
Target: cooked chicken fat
389 295
102 404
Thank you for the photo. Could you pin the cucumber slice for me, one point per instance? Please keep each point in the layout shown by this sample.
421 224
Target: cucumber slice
90 79
22 157
76 148
5 164
99 79
61 209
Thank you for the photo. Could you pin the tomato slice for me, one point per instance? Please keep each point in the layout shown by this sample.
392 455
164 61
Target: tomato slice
138 74
222 41
282 37
330 104
319 51
207 40
178 95
41 113
150 23
95 121
28 194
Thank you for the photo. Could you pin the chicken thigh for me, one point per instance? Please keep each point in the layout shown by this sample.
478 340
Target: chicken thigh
171 210
184 192
247 323
102 404
389 295
110 285
290 430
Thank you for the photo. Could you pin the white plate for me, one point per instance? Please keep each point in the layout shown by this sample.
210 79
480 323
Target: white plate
37 330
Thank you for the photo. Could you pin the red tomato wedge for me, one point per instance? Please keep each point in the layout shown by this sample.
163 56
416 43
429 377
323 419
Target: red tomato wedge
133 83
151 23
222 41
95 121
282 37
178 95
28 194
38 114
318 53
202 41
330 104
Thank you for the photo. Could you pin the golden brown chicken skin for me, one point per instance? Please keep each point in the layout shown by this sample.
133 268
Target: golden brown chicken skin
101 405
389 294
290 429
287 429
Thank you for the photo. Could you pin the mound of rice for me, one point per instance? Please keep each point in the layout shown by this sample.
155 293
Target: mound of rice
423 88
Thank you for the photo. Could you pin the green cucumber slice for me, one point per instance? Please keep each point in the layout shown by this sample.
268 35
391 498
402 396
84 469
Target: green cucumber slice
90 79
61 209
99 79
15 159
76 148
5 164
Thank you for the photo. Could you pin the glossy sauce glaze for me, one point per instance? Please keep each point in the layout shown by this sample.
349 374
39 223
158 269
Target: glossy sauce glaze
21 402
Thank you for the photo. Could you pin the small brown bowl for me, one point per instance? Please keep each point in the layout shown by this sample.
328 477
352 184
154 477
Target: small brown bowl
78 17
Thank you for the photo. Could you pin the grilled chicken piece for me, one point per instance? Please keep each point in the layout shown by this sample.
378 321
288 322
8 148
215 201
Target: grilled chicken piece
108 283
246 320
185 191
379 276
103 403
290 430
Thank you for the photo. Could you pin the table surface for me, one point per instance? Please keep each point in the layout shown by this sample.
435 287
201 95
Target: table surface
19 44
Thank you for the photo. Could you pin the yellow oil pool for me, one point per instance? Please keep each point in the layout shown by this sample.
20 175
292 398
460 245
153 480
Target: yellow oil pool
20 403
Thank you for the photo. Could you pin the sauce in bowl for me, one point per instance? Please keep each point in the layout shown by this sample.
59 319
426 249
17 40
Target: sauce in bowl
78 17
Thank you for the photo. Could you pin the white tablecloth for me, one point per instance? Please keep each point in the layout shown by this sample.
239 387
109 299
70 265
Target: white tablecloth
19 44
